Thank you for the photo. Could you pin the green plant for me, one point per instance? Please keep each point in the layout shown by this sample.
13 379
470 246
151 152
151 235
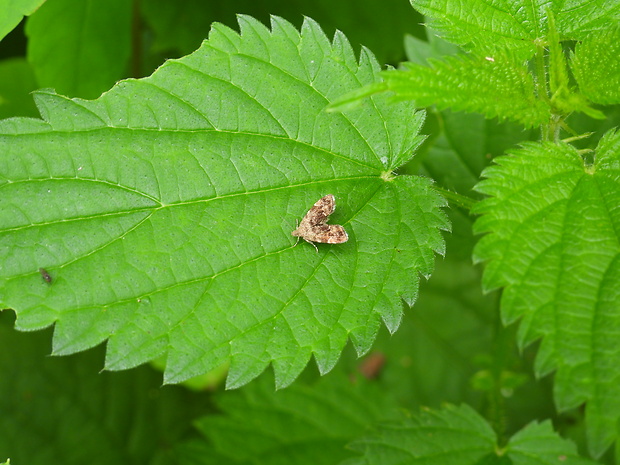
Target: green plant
157 218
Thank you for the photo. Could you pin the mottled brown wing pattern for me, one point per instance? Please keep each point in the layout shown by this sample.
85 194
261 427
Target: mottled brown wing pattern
313 228
320 211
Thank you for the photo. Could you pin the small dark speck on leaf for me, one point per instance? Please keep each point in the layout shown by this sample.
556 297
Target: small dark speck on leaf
46 276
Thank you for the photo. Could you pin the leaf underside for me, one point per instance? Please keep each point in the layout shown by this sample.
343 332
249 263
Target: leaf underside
554 247
163 210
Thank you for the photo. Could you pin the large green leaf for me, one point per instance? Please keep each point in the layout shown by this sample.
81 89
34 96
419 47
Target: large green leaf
554 246
163 210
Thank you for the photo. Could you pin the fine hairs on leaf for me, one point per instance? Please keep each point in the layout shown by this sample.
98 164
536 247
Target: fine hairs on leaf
165 215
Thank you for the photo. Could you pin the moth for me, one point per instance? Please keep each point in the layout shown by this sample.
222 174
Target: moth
313 227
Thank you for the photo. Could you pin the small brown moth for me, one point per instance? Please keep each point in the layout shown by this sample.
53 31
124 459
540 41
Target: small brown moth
313 227
46 276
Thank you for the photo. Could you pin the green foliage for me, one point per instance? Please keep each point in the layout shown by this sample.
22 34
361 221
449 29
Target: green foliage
12 11
459 436
304 424
419 51
495 78
516 26
554 248
16 80
495 87
596 66
62 410
388 21
157 220
206 200
95 38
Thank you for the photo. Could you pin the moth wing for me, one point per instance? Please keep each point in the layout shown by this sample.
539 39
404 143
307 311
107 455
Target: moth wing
327 234
320 211
337 234
326 205
313 228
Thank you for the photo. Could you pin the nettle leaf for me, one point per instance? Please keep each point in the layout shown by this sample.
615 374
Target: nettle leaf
554 225
304 424
596 66
163 211
460 436
496 80
515 25
496 87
